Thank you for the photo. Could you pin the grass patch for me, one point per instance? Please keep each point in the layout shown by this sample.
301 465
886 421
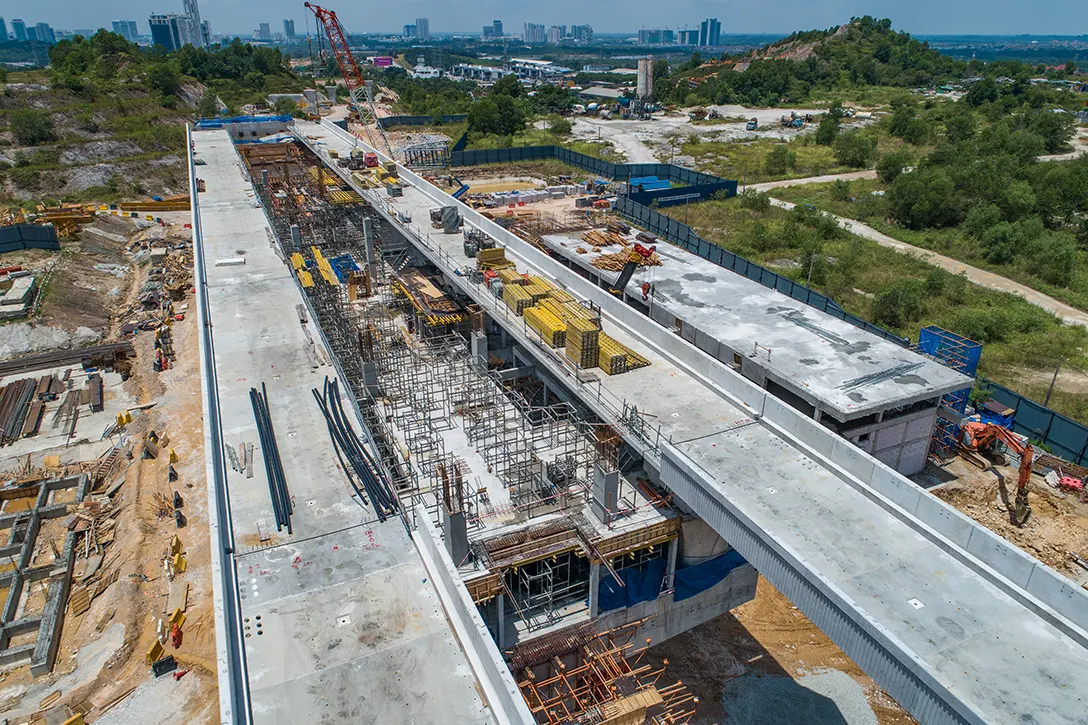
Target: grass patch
952 242
746 160
862 276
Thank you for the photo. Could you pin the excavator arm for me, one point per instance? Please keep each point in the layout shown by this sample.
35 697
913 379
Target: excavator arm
982 437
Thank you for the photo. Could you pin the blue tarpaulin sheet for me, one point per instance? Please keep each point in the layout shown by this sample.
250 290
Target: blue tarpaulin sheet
694 579
640 586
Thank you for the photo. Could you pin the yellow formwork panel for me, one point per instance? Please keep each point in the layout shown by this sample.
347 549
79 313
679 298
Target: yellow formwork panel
551 328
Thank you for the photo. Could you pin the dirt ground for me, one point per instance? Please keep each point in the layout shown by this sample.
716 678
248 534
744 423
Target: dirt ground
101 657
766 636
1058 525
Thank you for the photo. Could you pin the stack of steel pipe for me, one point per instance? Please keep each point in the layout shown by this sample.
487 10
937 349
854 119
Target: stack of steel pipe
358 464
273 466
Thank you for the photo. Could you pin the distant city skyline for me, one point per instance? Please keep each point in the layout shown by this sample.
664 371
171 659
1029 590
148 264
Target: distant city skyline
1043 17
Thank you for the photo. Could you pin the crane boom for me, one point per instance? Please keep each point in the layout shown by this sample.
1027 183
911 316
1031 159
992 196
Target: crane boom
361 95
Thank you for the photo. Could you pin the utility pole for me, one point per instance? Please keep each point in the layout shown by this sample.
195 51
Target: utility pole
1053 380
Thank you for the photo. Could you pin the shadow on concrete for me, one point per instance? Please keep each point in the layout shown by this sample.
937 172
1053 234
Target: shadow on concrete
739 682
933 476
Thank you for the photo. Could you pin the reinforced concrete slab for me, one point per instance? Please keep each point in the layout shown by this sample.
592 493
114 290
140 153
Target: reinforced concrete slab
394 658
995 653
816 359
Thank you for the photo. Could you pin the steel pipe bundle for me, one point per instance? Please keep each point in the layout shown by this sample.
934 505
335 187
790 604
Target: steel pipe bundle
353 455
273 466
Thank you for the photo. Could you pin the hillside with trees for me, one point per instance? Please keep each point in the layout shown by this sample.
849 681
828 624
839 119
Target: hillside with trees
106 120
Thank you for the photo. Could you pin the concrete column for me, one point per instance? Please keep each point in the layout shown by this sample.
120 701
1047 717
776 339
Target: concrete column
500 602
455 529
264 178
371 257
478 343
816 414
606 486
296 236
594 586
670 569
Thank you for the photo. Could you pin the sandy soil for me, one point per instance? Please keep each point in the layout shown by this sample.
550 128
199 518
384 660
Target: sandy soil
767 636
102 652
1058 525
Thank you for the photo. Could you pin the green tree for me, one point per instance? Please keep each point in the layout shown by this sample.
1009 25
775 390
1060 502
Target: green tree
840 190
497 114
1055 126
891 165
924 198
284 106
32 127
780 160
854 149
560 127
508 85
900 304
754 200
982 91
163 78
1018 200
827 130
1053 256
208 106
981 218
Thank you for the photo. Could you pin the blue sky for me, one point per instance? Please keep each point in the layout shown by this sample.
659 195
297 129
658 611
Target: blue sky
736 16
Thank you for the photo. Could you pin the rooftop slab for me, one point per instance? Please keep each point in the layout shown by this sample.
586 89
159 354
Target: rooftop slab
351 625
810 352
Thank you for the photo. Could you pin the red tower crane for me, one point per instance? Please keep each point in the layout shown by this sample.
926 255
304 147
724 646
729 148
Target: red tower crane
360 90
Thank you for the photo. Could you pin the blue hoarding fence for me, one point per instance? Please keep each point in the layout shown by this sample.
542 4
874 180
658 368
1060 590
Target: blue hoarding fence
1066 438
212 123
640 585
700 577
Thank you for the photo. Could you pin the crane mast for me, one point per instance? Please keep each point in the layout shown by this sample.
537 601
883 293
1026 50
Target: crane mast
361 93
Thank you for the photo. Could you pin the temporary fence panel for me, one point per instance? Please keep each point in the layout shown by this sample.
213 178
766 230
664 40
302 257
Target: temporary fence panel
1064 437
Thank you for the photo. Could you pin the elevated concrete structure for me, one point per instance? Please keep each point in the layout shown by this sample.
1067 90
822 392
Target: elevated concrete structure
954 622
344 619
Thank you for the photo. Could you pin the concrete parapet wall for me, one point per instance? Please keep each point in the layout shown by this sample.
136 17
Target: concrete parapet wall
501 692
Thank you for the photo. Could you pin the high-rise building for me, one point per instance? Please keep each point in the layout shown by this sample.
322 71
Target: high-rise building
581 33
494 30
45 33
534 33
162 32
423 28
206 32
125 28
3 31
710 33
289 29
18 29
133 32
687 37
265 33
655 37
192 11
409 31
31 33
555 34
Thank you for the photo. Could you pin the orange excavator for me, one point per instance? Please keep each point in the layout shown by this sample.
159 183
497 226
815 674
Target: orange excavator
982 438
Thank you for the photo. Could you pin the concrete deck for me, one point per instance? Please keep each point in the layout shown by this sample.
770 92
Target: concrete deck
983 650
342 622
816 361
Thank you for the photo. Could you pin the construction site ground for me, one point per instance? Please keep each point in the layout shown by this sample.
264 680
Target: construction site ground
101 667
765 663
1057 529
